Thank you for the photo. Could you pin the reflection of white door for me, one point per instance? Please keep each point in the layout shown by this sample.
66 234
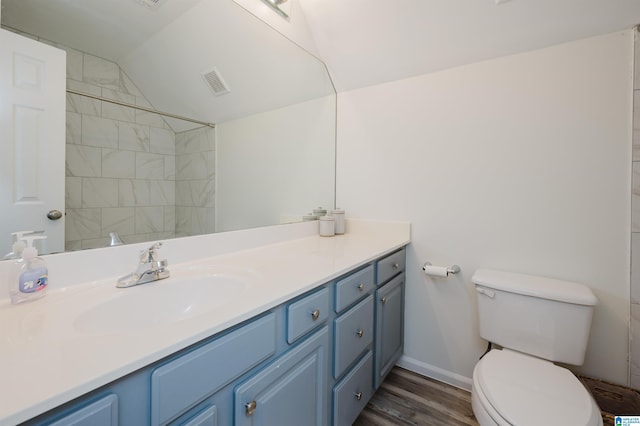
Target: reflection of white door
32 139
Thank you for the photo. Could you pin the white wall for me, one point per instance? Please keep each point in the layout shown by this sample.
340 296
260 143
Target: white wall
250 190
520 163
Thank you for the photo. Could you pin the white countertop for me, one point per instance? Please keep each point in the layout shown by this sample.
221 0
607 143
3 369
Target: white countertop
50 353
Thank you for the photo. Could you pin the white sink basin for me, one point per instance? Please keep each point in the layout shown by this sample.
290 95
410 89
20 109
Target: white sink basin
162 302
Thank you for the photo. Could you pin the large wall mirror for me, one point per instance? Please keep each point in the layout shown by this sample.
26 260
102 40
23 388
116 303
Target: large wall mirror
267 157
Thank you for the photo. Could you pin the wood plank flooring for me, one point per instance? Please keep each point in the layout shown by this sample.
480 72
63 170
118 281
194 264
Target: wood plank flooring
406 398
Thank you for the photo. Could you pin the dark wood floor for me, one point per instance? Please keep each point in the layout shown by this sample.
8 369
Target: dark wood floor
406 398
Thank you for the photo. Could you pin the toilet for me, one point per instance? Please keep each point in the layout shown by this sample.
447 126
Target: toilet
536 321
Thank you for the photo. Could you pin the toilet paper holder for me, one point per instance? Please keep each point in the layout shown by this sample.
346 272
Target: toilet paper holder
439 271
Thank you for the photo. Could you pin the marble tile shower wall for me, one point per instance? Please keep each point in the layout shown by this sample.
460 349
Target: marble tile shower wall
195 182
634 349
120 165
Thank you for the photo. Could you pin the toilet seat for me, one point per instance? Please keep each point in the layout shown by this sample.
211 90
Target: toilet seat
523 390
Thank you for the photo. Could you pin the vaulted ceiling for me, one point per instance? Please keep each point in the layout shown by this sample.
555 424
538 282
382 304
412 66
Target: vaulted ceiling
366 42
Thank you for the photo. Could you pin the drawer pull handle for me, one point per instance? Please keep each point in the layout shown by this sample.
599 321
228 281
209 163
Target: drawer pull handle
250 408
396 265
384 300
358 395
360 333
361 287
315 314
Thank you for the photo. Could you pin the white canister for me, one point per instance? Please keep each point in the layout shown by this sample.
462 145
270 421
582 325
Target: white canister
338 216
327 226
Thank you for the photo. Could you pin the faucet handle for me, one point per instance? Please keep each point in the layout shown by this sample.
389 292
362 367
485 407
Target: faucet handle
151 254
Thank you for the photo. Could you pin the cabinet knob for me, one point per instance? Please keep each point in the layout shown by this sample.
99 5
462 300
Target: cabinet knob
315 314
361 287
358 395
384 300
396 265
360 333
250 408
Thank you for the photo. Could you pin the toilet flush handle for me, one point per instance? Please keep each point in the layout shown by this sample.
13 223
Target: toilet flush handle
488 293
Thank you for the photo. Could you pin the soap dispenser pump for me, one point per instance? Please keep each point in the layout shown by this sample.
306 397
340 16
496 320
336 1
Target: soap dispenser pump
30 276
18 245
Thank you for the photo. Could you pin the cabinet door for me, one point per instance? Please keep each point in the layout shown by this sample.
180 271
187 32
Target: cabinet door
389 327
103 412
290 391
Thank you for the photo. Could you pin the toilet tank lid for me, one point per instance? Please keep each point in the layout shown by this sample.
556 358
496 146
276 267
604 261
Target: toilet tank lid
530 285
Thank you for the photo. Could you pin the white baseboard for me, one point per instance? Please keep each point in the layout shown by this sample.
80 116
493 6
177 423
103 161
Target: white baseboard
434 372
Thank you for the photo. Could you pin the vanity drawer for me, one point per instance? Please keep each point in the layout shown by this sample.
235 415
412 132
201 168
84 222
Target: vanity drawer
185 381
353 287
389 266
353 334
352 394
307 314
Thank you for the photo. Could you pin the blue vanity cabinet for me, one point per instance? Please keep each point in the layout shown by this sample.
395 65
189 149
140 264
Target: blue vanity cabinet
292 390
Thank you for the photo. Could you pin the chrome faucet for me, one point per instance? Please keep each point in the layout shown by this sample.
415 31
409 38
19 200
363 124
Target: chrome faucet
149 269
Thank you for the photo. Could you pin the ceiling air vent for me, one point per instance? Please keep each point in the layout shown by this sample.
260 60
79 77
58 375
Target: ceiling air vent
215 82
150 4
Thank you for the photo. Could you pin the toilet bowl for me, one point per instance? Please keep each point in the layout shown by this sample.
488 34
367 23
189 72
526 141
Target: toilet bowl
510 388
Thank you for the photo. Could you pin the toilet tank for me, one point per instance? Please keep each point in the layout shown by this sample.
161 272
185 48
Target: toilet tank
539 316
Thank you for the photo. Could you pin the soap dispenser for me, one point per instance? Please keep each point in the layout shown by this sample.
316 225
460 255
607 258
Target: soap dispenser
30 275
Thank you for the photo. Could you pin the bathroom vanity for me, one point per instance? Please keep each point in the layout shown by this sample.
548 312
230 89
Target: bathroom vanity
273 353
